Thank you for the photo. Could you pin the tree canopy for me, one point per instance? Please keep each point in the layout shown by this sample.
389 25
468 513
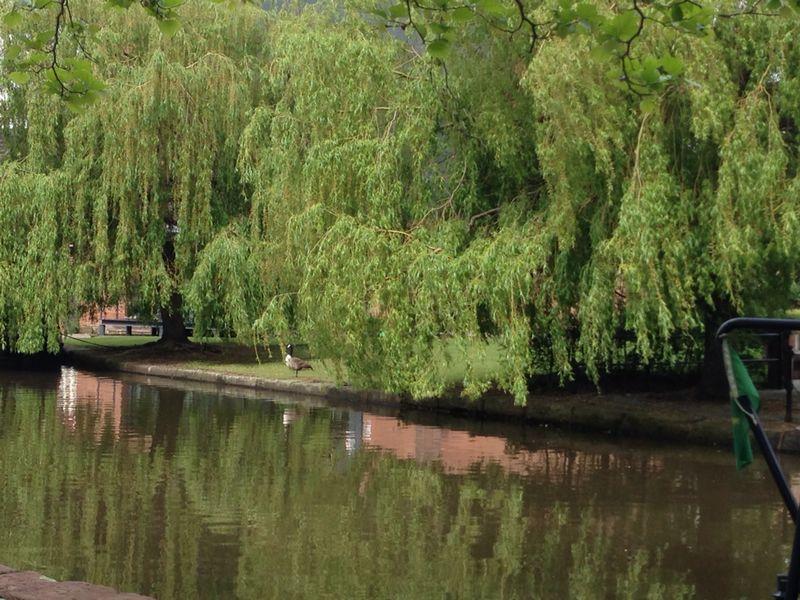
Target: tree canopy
149 173
325 178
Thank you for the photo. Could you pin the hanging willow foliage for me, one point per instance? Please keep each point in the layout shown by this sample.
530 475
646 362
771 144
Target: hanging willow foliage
34 260
699 212
152 164
519 214
157 156
368 188
408 219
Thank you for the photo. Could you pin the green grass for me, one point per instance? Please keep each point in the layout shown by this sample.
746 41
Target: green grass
275 369
483 366
269 370
124 341
238 360
109 341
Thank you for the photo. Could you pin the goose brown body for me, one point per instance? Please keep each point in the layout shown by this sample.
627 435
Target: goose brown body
294 363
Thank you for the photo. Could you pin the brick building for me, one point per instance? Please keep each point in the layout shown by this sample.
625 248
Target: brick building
90 319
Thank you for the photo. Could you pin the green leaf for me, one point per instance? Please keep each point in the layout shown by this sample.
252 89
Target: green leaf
586 11
92 83
773 4
40 40
491 7
600 52
649 70
462 14
81 64
169 27
38 56
439 48
439 28
650 75
12 20
77 27
672 65
76 103
676 13
19 77
398 10
12 52
648 104
626 25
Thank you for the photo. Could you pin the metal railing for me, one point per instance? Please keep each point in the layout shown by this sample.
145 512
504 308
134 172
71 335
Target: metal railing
778 354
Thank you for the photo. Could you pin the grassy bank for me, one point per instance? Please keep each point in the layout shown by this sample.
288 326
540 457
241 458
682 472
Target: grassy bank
223 356
212 354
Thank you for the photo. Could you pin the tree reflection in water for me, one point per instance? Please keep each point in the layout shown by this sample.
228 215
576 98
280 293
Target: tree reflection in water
186 494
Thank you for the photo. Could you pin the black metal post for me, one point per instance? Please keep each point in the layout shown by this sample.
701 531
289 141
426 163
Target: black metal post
769 456
794 568
780 594
791 582
774 355
790 591
787 354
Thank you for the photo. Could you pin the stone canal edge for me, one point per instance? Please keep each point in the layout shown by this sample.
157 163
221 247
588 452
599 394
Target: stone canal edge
30 585
673 416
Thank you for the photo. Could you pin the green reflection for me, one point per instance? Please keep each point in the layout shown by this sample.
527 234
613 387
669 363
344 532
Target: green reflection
190 495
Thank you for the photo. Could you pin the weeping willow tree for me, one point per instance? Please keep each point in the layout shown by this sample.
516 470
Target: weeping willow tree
394 211
148 171
406 216
347 161
519 210
691 211
34 261
153 166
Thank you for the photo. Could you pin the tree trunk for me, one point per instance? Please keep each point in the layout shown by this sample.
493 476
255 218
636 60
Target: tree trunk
173 328
713 382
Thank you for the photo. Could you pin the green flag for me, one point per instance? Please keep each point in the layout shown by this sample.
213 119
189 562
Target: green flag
741 386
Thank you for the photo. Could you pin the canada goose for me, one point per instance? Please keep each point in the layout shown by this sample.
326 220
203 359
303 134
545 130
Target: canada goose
294 363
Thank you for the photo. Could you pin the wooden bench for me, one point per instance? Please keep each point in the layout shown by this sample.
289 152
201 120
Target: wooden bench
129 324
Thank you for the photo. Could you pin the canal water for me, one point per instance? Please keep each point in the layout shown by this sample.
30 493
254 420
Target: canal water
190 492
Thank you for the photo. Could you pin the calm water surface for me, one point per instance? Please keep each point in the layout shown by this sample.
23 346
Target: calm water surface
185 492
